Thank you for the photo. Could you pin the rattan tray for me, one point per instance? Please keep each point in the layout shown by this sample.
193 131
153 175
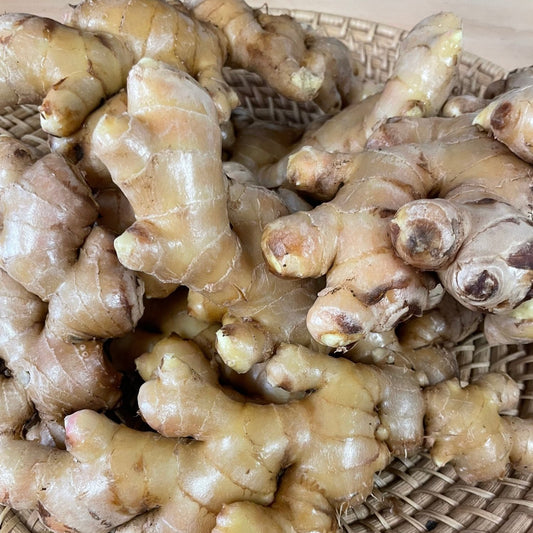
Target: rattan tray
411 495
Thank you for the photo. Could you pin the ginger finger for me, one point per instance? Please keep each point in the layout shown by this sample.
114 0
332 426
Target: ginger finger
421 82
75 314
42 190
519 77
514 327
78 147
165 32
463 104
469 433
57 256
324 457
420 130
67 71
479 246
82 377
278 54
171 124
361 296
508 118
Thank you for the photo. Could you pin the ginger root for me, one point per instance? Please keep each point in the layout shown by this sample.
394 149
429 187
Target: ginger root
63 289
348 425
65 70
376 184
423 77
164 154
508 118
165 32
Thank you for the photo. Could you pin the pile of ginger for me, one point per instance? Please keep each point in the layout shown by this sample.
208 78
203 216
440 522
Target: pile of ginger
216 323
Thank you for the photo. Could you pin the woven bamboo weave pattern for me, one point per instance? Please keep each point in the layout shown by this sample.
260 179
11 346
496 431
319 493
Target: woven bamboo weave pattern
411 495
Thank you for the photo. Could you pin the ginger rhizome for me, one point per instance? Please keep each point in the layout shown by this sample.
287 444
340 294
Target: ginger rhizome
423 77
369 287
349 424
184 234
63 289
67 71
164 154
508 118
164 31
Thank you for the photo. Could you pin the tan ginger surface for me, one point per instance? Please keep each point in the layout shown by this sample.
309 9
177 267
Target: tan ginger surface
273 46
423 77
275 309
369 288
510 119
164 31
63 289
164 154
66 70
345 425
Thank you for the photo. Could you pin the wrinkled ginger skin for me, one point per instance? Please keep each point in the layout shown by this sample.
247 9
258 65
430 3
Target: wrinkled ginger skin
78 147
59 269
469 432
164 154
277 53
422 80
40 239
376 185
310 447
275 309
66 70
32 352
509 118
282 479
480 247
164 31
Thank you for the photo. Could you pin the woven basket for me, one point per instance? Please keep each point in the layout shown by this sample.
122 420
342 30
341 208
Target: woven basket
411 495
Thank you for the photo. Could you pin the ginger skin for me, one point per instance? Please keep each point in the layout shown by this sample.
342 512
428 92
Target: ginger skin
164 154
66 71
509 119
419 85
306 438
62 287
376 185
165 32
277 53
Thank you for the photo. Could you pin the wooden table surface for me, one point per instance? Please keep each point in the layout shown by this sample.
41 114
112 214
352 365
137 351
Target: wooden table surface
498 30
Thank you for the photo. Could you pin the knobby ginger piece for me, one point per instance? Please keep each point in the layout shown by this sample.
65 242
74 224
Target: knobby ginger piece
164 154
369 288
63 289
226 438
423 77
278 53
264 467
67 71
164 31
78 147
463 104
468 431
519 77
510 119
513 327
480 246
178 314
275 309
